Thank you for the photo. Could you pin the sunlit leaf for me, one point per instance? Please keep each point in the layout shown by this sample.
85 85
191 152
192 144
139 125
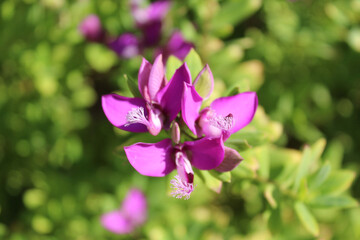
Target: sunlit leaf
194 63
337 182
333 201
222 176
306 218
172 64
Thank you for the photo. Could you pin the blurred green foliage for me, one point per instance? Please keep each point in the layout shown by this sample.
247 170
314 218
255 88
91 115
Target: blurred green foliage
62 163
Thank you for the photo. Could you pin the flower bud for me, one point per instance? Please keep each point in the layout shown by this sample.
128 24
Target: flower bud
91 29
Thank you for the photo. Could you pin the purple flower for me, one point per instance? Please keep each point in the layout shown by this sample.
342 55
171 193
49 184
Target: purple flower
132 214
126 45
149 20
159 105
91 29
223 117
159 159
176 46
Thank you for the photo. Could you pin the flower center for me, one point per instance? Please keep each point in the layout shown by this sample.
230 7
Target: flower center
223 123
180 188
182 185
136 115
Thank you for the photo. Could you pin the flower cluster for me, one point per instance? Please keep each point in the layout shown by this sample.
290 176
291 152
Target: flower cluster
203 130
149 22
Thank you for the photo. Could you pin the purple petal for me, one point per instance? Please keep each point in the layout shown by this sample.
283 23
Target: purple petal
178 47
206 153
135 206
231 160
143 78
91 28
126 45
170 96
156 78
116 108
190 106
116 222
151 159
242 106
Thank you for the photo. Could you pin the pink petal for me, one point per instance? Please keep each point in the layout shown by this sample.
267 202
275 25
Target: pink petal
170 96
206 153
157 77
143 78
151 159
135 207
231 160
242 106
116 108
117 223
190 106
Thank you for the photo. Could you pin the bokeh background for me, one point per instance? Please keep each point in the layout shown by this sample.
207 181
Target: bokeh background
62 164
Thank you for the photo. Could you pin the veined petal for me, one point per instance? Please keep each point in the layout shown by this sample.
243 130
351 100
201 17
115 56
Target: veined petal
190 106
151 159
116 222
135 206
204 82
156 77
170 96
143 79
116 109
206 153
242 107
231 160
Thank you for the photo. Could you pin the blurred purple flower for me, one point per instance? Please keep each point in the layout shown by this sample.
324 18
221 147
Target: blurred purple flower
176 46
159 105
126 45
131 215
159 159
91 29
149 20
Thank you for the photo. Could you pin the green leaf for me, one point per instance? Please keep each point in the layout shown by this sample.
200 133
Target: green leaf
275 222
306 218
337 182
172 64
133 87
320 177
333 201
310 155
269 195
238 144
231 13
262 154
303 168
194 63
209 180
222 176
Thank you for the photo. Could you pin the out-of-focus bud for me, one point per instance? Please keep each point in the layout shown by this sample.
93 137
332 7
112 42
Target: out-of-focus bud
126 45
91 29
